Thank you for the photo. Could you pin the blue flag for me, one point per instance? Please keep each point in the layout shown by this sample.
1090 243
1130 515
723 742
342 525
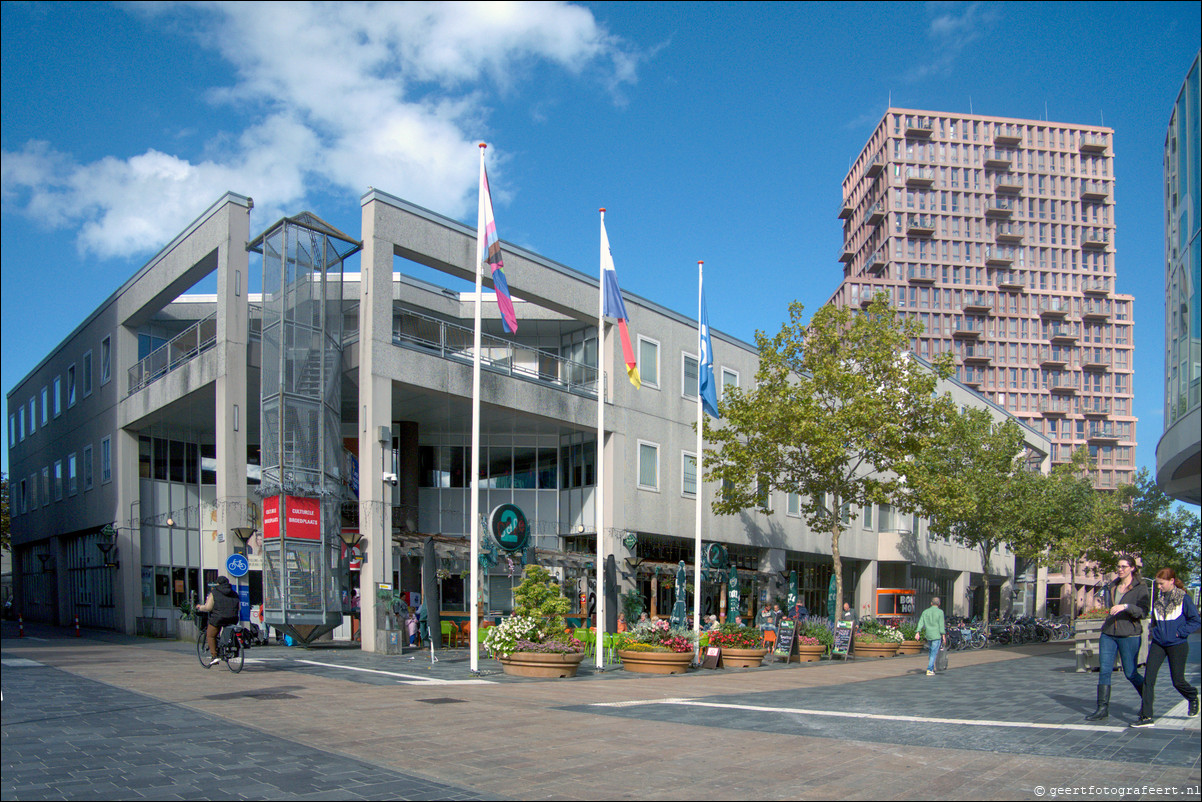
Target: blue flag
705 373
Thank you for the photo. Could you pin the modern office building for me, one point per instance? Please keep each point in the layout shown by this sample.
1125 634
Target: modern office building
1178 454
998 235
142 457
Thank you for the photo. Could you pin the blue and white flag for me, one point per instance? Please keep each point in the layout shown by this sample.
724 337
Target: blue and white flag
705 373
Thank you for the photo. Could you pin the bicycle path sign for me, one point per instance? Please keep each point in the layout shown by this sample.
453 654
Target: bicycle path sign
237 565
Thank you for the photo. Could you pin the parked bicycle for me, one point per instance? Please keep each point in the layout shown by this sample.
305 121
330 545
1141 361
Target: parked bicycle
232 643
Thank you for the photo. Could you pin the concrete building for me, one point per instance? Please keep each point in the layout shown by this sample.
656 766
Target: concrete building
998 235
136 458
1178 454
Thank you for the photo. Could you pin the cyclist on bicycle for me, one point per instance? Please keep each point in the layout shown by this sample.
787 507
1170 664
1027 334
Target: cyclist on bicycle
222 606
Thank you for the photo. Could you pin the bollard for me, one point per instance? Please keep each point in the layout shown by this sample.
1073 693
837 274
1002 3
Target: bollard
77 626
20 626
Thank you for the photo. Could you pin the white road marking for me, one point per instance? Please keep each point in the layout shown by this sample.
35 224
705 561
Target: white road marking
19 662
407 679
869 716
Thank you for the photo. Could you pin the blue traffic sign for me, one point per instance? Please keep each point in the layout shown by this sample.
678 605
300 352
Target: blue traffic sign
237 565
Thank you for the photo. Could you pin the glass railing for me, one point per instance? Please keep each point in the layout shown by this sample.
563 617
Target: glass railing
920 173
497 355
183 348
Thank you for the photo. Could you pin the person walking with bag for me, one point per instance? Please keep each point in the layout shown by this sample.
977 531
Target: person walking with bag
1122 632
933 627
1174 618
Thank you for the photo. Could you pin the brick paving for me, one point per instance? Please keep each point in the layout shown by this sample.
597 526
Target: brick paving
106 716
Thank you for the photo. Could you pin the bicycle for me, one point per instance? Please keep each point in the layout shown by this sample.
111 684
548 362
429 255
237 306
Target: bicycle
232 643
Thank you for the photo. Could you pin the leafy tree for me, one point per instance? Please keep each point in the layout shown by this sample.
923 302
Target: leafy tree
1148 524
969 482
540 597
837 409
1063 517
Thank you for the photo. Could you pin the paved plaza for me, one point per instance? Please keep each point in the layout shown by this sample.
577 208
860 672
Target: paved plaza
106 716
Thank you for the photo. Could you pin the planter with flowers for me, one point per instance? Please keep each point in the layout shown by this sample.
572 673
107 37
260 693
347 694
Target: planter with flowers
911 643
815 637
654 647
532 642
874 639
742 647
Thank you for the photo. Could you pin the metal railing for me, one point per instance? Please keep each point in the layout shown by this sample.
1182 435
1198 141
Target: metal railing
184 347
451 341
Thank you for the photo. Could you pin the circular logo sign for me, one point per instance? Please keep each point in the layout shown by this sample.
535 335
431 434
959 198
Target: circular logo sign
237 565
508 525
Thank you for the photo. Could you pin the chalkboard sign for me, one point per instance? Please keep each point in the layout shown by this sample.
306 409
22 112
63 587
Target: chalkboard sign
785 639
843 631
712 655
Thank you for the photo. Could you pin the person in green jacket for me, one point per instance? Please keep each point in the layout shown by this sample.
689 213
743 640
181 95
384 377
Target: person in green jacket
933 628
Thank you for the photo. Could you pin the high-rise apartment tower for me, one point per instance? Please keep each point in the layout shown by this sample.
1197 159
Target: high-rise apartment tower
998 235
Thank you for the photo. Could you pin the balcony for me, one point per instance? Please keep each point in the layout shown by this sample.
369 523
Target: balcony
1007 135
1055 358
845 209
1095 238
877 264
999 255
1054 307
999 159
1055 407
1094 309
1063 334
977 353
1009 280
1095 408
919 127
974 377
1095 359
922 225
1008 182
877 212
1009 232
1094 191
1104 431
977 304
875 165
1096 286
1000 207
847 253
968 328
181 349
922 274
1064 383
1092 143
919 176
497 355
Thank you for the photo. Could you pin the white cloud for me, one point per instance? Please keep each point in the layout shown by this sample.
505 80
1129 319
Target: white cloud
336 96
952 27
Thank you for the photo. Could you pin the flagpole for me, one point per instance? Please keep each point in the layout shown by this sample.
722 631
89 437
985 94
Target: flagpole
474 514
599 495
700 429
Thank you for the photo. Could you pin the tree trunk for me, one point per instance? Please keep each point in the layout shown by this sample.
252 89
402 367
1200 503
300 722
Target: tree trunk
837 563
985 578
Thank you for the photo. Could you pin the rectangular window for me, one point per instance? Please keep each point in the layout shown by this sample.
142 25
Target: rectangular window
688 474
106 460
21 422
33 416
58 396
45 486
689 378
45 406
730 378
87 374
87 467
70 386
649 362
793 505
868 517
106 359
648 466
72 478
12 429
58 480
22 498
887 524
33 492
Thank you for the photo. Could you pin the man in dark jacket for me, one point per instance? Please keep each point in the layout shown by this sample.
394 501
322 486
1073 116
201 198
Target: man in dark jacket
222 606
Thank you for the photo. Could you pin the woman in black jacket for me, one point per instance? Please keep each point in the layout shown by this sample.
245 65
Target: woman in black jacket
1174 619
1129 601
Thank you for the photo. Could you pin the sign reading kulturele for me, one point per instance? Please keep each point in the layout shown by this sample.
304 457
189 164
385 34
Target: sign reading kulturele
509 527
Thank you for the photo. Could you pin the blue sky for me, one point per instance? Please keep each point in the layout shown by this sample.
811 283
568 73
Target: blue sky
709 131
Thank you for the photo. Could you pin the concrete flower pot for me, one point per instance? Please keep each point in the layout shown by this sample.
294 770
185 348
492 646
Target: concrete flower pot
742 658
541 665
656 662
860 649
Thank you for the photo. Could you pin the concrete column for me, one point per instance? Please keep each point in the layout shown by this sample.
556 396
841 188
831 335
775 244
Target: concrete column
374 406
408 473
127 579
230 389
958 604
772 561
1041 591
866 586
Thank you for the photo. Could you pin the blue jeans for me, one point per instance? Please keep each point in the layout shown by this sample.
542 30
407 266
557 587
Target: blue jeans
933 645
1127 650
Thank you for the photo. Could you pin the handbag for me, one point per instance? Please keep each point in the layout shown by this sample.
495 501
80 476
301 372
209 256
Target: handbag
941 660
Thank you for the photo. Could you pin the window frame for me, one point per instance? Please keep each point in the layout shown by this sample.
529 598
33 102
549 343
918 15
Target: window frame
72 475
45 406
72 395
639 476
106 360
644 381
86 373
685 456
685 356
729 372
86 466
106 460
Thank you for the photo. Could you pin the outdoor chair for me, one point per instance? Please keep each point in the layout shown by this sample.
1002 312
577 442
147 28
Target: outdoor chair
450 634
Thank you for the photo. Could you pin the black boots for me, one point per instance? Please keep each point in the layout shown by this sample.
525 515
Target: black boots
1192 706
1103 710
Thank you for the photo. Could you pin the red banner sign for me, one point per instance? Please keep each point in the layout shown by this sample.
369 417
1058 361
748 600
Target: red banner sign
271 517
304 518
